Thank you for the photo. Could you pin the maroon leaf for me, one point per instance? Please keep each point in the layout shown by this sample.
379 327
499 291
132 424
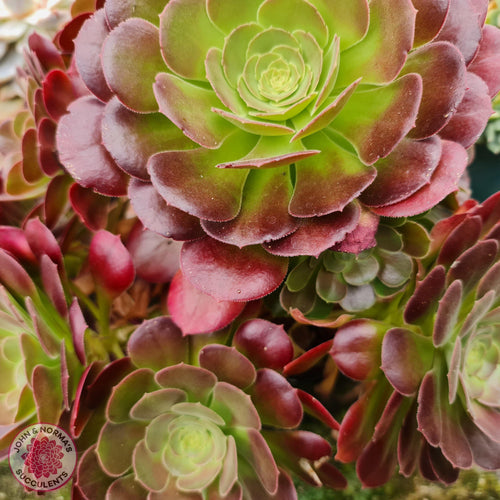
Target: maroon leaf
462 28
431 15
230 273
315 235
14 241
159 217
462 237
357 426
357 348
276 400
90 206
425 298
157 343
472 115
447 314
406 357
228 365
88 45
471 266
486 63
443 73
133 40
307 360
58 93
15 277
43 242
315 408
444 181
155 258
110 263
197 312
267 345
53 286
81 151
132 138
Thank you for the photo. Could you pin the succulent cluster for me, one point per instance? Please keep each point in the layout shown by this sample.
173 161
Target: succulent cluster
238 244
430 365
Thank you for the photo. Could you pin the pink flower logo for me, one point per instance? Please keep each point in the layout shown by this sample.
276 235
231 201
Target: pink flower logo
43 457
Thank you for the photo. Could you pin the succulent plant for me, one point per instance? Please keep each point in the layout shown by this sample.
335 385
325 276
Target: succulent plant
284 126
339 282
435 401
190 418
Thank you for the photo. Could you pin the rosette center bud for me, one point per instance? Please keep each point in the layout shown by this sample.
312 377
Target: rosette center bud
482 365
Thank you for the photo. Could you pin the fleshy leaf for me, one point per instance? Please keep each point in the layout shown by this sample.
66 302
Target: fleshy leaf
264 213
110 263
406 357
293 15
444 181
197 382
485 63
157 343
127 393
153 404
131 138
185 28
328 181
472 115
375 120
88 46
379 57
190 108
133 40
349 21
315 235
228 365
447 314
116 444
82 152
229 273
227 15
159 217
276 400
431 15
462 28
196 312
442 90
473 264
234 406
188 181
118 11
267 345
425 298
357 347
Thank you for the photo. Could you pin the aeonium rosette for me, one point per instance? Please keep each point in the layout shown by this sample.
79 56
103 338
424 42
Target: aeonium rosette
264 129
184 417
435 402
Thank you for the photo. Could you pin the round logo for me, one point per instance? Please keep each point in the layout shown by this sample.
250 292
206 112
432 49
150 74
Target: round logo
42 457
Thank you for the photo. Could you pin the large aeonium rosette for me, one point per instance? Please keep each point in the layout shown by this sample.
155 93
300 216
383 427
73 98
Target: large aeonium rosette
272 125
